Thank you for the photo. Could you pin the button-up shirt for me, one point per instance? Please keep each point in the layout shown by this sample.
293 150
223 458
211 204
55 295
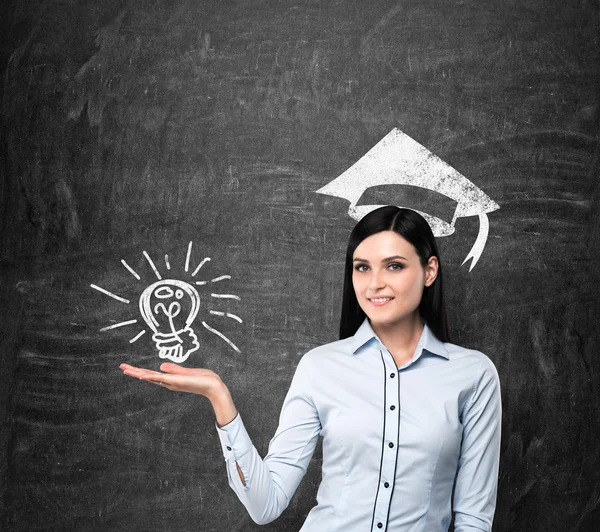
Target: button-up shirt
395 440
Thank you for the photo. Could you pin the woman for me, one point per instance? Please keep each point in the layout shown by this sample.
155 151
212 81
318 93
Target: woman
405 415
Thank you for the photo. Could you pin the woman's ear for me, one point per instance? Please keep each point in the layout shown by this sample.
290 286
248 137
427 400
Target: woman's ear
431 270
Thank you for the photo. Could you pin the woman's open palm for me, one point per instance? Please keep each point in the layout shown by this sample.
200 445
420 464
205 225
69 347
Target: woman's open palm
192 380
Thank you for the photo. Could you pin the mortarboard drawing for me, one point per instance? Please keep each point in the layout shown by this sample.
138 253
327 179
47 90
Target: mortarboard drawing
169 308
397 159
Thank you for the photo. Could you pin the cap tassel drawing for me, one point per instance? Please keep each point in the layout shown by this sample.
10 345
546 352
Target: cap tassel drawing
397 159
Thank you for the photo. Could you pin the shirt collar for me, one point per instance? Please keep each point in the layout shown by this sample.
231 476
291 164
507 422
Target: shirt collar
427 342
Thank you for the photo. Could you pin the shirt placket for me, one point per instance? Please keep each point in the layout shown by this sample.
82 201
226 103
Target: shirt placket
389 457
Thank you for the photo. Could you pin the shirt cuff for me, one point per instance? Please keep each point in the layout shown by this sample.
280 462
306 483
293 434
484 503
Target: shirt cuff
234 439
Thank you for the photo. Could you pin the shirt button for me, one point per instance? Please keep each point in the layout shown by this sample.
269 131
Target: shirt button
379 525
392 407
392 375
228 448
391 445
387 484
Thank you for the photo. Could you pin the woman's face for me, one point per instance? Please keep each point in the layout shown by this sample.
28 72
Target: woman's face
388 277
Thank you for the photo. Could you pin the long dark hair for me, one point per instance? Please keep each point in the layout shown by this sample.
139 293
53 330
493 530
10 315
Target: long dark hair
411 226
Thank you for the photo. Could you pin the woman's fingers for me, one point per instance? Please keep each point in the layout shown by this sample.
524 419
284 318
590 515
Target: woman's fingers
166 380
155 377
138 373
174 369
194 380
169 367
130 368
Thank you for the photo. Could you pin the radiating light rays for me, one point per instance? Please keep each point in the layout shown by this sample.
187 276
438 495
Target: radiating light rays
130 269
114 296
206 259
137 337
215 280
208 327
152 265
221 278
187 257
117 325
233 316
225 296
188 265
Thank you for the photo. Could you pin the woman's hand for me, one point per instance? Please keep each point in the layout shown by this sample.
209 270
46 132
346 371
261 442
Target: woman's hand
192 380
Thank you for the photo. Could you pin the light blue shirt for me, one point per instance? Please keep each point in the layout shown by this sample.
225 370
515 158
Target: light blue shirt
394 439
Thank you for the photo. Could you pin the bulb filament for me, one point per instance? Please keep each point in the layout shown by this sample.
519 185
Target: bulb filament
174 310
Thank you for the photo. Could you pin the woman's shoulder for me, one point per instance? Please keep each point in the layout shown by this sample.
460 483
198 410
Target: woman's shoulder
479 360
328 351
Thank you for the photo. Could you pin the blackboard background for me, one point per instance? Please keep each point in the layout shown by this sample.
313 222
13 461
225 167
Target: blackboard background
131 126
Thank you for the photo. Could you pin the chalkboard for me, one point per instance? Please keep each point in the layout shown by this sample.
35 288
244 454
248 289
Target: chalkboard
141 134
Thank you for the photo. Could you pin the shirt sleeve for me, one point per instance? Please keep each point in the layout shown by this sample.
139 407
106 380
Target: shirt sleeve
478 465
270 483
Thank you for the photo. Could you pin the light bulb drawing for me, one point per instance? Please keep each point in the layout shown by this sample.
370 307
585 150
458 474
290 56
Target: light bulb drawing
163 305
169 307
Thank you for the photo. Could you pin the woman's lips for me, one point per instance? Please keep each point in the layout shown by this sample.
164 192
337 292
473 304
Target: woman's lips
380 301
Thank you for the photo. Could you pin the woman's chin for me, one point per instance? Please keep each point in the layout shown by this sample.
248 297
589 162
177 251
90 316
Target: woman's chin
386 319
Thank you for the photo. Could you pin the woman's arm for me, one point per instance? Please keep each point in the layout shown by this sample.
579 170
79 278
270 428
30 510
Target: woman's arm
477 476
265 487
192 380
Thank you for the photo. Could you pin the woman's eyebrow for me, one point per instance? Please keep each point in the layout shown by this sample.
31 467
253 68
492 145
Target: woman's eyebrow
387 259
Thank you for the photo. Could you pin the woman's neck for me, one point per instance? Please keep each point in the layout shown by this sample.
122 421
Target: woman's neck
400 338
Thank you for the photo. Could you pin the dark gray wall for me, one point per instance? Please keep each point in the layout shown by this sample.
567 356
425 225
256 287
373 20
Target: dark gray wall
131 126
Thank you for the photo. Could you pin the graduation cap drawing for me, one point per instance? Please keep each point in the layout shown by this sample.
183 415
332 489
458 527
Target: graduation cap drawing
397 159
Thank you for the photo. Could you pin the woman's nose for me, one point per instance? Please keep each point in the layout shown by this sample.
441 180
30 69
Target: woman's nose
376 281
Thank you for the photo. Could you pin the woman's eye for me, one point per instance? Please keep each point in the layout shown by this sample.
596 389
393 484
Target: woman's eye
361 267
395 266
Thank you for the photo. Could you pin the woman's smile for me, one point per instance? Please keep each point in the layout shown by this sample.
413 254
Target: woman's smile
380 301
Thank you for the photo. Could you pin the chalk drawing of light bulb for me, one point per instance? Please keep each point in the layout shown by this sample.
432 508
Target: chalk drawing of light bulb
169 308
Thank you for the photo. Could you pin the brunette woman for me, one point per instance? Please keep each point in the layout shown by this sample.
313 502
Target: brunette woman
410 422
